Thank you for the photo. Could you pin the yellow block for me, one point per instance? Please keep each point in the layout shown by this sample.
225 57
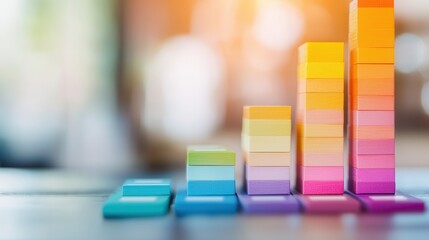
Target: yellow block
372 55
320 101
267 159
320 85
265 143
267 112
320 130
320 145
371 18
321 70
260 127
372 38
321 52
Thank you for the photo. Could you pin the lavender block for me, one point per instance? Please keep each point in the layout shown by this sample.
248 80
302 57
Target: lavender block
329 203
267 187
271 204
398 202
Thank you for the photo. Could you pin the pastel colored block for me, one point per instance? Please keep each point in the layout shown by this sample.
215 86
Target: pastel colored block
373 55
372 38
372 187
146 187
373 103
320 116
321 52
373 71
372 146
320 85
266 143
372 3
118 206
210 155
320 174
372 132
267 159
320 145
268 204
373 87
373 118
205 205
260 127
267 173
321 101
320 130
372 161
329 203
372 174
267 112
210 187
361 18
321 70
210 173
320 187
320 159
390 203
267 187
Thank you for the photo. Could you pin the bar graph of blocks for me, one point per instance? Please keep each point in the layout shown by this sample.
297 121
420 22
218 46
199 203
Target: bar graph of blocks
371 92
320 118
266 141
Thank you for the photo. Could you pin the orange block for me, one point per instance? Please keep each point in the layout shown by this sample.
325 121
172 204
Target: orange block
364 18
321 101
320 159
372 55
321 85
320 130
320 145
320 116
373 103
371 71
373 37
372 3
373 132
267 112
372 87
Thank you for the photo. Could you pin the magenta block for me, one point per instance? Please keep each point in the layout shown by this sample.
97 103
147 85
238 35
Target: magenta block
372 174
315 174
329 203
267 173
269 204
373 118
372 161
320 187
267 187
390 203
372 146
372 187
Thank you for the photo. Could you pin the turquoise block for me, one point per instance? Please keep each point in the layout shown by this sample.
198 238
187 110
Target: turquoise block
118 206
146 187
217 187
198 173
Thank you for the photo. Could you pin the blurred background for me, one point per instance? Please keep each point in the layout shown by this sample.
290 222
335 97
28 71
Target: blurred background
114 86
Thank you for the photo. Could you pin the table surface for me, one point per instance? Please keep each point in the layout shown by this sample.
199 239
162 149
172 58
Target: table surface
55 204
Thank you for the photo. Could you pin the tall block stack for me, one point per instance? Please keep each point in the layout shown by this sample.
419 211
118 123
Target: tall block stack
320 118
371 92
266 140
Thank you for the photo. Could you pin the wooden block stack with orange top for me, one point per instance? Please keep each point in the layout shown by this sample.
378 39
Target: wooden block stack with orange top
371 94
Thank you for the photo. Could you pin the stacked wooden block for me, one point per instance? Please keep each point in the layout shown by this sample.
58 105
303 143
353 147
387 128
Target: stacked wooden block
371 93
320 118
266 139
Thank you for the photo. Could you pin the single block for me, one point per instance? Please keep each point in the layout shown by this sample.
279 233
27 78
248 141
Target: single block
209 205
210 187
210 173
372 38
372 146
267 173
372 103
372 55
210 155
364 18
320 130
372 174
260 127
373 71
321 70
372 132
267 159
372 3
266 204
320 101
319 187
118 206
320 174
373 118
320 145
371 187
320 116
329 203
146 187
267 112
372 161
321 52
267 187
320 159
372 87
265 143
390 203
320 85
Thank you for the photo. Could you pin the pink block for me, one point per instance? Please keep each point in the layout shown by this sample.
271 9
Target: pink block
321 173
373 118
320 159
372 187
320 187
267 173
329 203
320 117
372 174
372 146
372 161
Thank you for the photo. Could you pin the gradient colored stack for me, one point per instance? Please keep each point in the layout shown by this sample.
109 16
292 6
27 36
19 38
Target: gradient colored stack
371 94
320 118
266 139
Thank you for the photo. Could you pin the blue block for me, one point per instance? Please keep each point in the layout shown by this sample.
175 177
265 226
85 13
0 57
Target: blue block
118 206
211 205
146 187
197 173
204 188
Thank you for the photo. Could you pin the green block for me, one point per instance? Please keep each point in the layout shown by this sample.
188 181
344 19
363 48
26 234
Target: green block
210 155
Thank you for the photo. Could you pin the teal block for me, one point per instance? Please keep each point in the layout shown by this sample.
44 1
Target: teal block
208 188
205 205
146 187
210 173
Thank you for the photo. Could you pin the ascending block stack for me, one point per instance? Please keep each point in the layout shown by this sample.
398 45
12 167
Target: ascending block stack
320 118
371 93
266 139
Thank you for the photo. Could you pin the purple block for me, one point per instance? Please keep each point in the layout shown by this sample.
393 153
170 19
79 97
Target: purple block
267 173
398 202
372 174
268 204
329 203
372 187
268 187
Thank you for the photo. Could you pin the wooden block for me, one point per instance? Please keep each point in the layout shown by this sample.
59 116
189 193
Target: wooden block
267 159
372 146
373 87
372 71
320 187
207 205
320 116
146 187
267 173
268 204
268 187
210 155
373 103
372 174
267 112
320 159
321 70
321 52
373 55
372 3
371 18
320 101
373 132
265 143
372 187
329 204
320 130
320 145
374 118
372 38
260 127
397 203
335 173
372 161
320 85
